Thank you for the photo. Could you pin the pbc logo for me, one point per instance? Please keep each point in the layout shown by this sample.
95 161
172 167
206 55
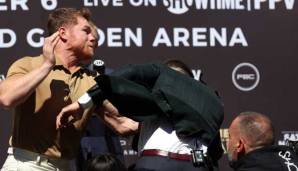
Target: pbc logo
245 76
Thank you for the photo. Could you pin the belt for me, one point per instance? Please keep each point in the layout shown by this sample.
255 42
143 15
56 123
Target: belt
176 156
38 159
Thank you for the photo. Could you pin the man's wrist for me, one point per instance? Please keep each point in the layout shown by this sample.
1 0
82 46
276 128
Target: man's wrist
48 65
96 94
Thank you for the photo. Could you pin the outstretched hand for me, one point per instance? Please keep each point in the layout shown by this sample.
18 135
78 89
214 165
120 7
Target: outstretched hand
73 109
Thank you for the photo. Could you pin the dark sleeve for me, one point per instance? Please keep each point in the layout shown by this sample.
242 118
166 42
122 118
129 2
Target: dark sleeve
129 89
144 74
132 100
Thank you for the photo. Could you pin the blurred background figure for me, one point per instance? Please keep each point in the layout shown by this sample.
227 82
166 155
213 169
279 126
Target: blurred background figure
106 162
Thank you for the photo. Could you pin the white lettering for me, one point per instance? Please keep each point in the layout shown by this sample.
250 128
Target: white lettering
137 3
115 3
101 36
49 4
197 74
3 7
123 142
221 38
177 6
292 137
272 4
30 35
246 76
21 3
257 4
105 2
162 38
238 38
114 37
201 4
118 37
289 4
238 5
228 4
129 152
181 36
14 4
288 136
136 38
219 4
212 4
118 3
12 36
197 37
287 157
88 3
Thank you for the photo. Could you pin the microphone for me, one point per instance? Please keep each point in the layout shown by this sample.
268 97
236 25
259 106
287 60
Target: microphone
99 66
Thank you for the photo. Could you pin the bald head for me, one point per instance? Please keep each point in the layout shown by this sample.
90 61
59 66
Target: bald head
249 131
255 128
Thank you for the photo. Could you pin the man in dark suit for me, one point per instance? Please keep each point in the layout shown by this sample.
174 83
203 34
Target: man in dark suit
150 91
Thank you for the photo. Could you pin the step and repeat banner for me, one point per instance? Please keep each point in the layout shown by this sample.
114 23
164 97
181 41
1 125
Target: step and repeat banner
245 49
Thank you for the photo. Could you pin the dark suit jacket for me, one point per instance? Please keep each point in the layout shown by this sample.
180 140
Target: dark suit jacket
268 158
146 91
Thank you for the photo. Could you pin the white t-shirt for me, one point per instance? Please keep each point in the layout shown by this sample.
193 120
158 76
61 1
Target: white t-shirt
159 134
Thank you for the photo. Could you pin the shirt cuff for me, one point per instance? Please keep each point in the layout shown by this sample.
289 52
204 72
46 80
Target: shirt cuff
85 101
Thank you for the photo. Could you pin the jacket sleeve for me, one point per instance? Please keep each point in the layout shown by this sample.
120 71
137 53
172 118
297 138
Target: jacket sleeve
131 99
144 74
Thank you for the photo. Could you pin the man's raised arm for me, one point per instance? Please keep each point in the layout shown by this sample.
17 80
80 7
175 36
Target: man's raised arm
20 83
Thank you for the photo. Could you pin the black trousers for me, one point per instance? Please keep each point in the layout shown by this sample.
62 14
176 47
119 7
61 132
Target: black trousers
159 163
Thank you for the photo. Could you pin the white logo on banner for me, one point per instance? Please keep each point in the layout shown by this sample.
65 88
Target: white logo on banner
173 6
199 37
127 150
245 80
288 135
129 37
177 6
182 6
287 157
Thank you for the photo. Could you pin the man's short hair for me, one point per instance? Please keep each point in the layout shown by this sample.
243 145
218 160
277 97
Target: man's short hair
256 128
65 16
179 64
